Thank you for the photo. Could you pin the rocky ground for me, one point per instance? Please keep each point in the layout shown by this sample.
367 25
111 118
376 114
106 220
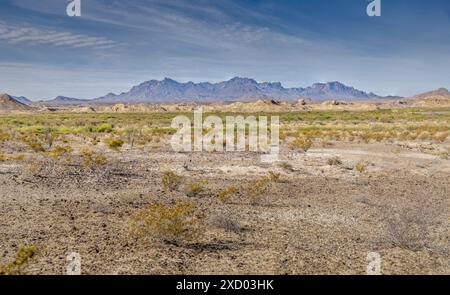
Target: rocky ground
321 216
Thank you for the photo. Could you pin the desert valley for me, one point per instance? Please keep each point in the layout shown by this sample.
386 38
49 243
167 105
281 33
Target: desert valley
356 174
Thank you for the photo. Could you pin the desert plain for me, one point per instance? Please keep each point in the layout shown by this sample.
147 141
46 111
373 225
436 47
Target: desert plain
104 182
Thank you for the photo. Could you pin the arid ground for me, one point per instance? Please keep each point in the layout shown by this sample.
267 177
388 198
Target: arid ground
109 187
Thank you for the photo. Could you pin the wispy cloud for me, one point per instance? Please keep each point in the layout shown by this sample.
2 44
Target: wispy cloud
16 34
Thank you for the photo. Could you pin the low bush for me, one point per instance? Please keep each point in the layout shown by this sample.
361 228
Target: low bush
23 255
170 181
174 224
113 143
226 194
92 159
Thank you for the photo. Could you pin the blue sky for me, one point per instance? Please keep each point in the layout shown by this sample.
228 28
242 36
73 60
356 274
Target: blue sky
116 44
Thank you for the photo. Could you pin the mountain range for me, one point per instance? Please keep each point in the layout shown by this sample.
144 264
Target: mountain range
235 89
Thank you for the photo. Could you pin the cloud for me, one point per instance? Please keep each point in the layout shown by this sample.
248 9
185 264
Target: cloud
17 34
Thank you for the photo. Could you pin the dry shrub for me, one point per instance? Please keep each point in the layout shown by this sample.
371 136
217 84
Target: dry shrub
274 176
176 223
4 136
361 166
325 142
113 143
35 167
286 166
17 157
442 137
193 189
226 221
226 194
60 151
304 143
410 228
170 181
256 189
33 143
91 158
334 161
23 255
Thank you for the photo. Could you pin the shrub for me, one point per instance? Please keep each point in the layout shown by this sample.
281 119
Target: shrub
23 255
34 144
255 190
409 229
104 128
114 143
361 166
226 221
4 136
170 181
194 188
325 142
274 176
35 167
172 224
226 194
92 159
286 166
59 151
335 161
304 143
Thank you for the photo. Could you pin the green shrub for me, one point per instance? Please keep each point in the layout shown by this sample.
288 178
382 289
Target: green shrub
169 223
23 255
114 143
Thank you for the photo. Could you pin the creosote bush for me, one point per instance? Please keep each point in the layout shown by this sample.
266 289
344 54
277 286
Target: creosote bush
193 189
227 193
91 158
304 143
256 189
174 224
113 143
170 181
23 255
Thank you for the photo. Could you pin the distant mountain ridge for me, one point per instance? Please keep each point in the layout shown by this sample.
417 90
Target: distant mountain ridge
22 99
64 100
242 89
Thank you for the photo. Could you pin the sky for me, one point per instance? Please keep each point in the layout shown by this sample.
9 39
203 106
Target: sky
116 44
